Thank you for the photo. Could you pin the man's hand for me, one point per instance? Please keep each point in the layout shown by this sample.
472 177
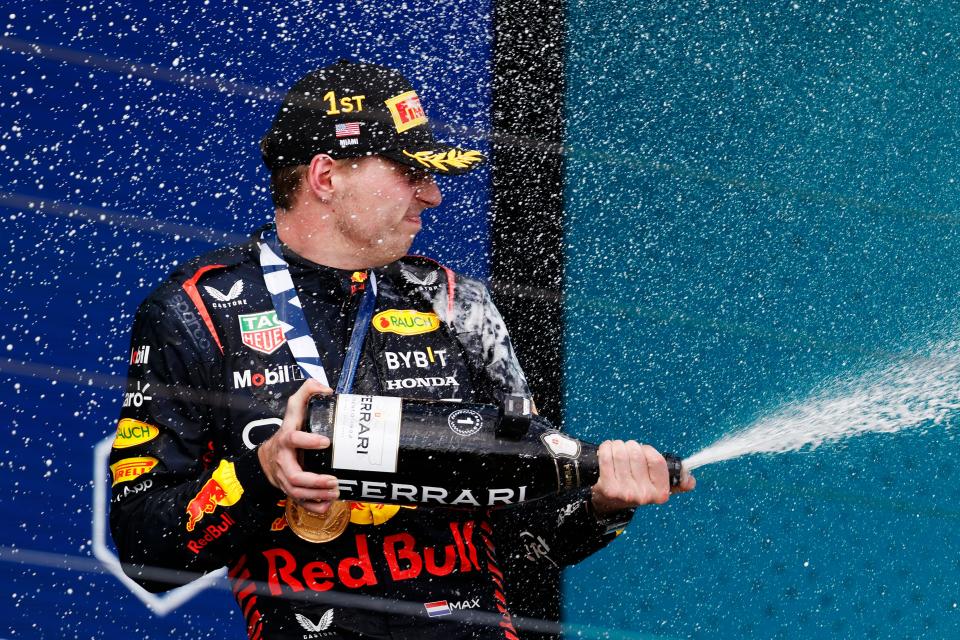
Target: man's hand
278 455
631 475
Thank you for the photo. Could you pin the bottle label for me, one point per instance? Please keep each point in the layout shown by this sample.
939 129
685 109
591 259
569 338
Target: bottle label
560 445
366 433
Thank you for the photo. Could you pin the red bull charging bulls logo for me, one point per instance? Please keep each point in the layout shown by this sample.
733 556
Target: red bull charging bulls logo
222 489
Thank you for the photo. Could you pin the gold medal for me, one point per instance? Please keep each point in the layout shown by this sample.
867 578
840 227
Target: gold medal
314 527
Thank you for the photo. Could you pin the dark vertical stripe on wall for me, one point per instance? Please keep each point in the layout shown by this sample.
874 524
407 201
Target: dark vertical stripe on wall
527 235
527 230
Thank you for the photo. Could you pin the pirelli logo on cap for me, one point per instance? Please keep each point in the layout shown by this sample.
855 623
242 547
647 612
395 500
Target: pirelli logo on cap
406 111
405 322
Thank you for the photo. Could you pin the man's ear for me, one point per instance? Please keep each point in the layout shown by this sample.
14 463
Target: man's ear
319 176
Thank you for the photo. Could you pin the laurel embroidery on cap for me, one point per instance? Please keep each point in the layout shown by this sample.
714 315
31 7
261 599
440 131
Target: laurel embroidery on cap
445 160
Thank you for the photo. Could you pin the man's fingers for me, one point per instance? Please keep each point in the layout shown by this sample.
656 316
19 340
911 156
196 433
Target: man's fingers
621 461
307 480
639 472
303 494
303 485
286 467
296 411
319 508
607 469
306 440
687 482
658 473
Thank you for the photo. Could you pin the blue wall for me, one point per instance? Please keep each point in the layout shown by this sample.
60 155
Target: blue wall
761 197
126 146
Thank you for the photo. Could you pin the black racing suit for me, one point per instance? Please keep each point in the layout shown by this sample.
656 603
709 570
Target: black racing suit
209 377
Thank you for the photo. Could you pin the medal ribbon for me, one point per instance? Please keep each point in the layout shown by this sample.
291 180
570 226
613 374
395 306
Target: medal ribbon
293 322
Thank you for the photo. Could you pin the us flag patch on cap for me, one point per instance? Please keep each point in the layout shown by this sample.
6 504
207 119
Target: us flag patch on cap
347 129
438 608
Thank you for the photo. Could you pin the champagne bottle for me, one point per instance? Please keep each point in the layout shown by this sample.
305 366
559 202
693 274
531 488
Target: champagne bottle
397 451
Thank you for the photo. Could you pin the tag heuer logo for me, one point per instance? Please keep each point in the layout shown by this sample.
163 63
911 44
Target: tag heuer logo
261 331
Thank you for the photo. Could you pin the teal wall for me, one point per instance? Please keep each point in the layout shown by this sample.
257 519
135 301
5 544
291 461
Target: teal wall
761 198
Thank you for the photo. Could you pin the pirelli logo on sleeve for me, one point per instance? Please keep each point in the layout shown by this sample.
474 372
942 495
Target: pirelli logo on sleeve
131 468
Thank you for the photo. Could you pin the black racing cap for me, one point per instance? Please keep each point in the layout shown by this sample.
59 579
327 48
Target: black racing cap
352 109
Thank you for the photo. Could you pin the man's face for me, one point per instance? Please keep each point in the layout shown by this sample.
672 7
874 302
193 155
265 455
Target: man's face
377 205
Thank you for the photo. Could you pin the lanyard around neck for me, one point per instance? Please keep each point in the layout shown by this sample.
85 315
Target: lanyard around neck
293 323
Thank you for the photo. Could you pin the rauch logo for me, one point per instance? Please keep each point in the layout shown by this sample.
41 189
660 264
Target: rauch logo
406 322
133 432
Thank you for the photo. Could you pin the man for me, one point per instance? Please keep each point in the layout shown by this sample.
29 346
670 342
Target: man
234 344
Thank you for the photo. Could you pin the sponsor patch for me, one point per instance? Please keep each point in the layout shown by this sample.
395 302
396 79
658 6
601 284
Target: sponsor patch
437 609
131 432
405 322
322 624
415 359
228 299
191 320
140 355
428 383
398 557
211 533
358 281
222 489
373 512
465 422
276 375
536 548
280 523
131 468
406 111
261 331
134 490
258 431
138 397
429 281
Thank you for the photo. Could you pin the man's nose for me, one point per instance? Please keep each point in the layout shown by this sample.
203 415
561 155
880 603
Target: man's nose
428 192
